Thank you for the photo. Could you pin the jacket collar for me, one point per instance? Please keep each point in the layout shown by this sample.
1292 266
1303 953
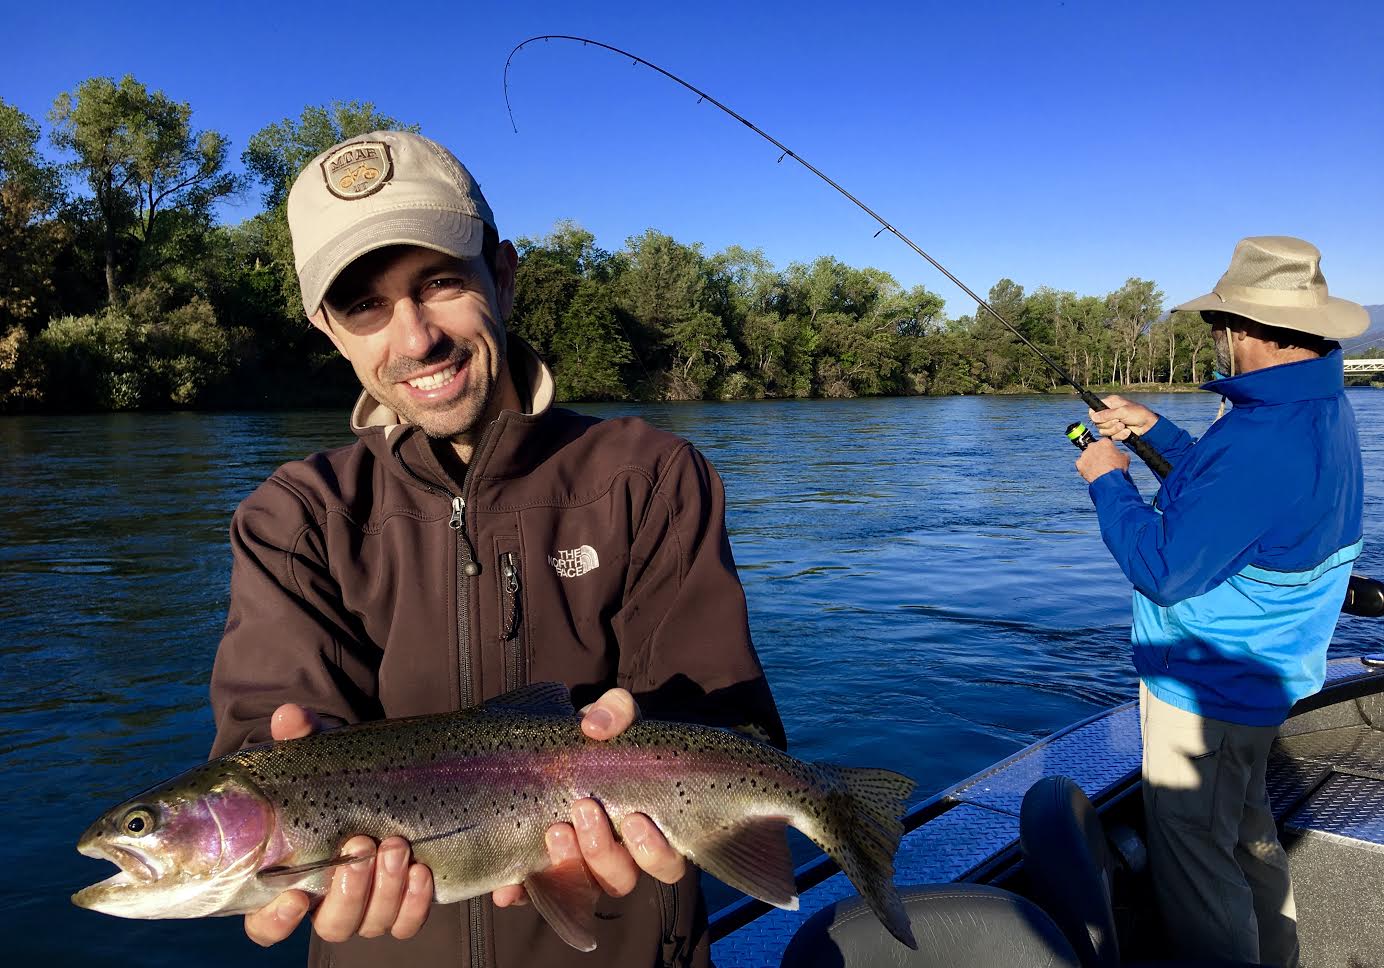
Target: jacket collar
1286 383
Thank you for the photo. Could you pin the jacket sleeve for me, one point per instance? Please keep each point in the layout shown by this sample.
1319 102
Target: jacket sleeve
683 630
1170 440
1200 538
288 636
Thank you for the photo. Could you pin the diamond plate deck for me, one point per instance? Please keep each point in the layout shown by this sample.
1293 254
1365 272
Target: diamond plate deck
1347 806
1290 779
942 850
1096 755
1353 748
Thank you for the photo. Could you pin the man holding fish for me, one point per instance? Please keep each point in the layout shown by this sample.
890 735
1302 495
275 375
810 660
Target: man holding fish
472 540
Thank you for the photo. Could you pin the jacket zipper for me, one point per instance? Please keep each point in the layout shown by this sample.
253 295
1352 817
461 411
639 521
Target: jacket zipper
672 944
467 567
510 619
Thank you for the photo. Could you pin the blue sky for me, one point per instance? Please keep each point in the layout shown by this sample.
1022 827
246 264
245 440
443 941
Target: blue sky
1062 142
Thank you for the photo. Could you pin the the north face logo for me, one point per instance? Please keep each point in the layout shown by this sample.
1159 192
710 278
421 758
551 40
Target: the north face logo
575 563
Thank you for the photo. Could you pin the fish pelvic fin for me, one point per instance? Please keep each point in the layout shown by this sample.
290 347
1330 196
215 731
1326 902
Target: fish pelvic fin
752 857
566 897
287 877
862 826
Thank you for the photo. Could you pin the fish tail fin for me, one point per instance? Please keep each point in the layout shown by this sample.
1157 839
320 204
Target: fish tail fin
863 824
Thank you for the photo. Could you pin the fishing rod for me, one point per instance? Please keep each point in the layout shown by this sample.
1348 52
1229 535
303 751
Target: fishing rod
1146 452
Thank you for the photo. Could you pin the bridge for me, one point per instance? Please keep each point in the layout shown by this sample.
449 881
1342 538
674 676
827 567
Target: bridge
1364 366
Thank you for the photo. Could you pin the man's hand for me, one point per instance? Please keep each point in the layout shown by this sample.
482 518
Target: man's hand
1099 458
1122 416
383 893
615 866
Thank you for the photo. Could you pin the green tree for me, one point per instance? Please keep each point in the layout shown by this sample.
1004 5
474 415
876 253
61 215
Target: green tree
30 195
143 163
589 351
996 345
663 290
1133 308
550 272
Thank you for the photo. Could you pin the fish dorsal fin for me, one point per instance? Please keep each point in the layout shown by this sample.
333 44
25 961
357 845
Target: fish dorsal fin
537 697
566 897
752 857
286 877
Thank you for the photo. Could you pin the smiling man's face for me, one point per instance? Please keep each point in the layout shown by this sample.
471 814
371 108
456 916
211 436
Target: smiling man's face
425 334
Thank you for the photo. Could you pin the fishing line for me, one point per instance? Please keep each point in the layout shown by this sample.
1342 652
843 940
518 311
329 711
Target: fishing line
1150 456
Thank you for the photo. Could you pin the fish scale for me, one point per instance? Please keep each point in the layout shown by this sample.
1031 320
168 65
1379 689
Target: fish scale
474 791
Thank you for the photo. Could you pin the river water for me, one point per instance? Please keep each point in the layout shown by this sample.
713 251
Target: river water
927 588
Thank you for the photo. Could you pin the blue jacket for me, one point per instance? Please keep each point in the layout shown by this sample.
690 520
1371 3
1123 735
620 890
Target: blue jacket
1240 566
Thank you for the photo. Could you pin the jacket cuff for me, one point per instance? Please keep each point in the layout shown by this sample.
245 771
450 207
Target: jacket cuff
1163 434
1110 487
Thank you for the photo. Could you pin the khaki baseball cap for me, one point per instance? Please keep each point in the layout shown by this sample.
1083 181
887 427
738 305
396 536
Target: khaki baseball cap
1277 280
379 189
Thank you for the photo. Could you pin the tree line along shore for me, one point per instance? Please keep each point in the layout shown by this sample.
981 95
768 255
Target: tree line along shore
119 290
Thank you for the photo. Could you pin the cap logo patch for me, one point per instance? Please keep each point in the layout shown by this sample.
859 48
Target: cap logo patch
358 169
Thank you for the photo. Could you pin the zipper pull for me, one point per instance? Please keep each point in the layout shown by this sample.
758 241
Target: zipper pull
457 523
509 578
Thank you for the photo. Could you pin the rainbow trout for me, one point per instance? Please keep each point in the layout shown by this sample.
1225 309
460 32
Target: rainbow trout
473 792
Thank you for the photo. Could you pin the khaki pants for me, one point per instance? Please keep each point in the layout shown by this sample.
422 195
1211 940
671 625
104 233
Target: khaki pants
1220 875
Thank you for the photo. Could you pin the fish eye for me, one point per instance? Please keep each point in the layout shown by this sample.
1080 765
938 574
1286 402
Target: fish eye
138 822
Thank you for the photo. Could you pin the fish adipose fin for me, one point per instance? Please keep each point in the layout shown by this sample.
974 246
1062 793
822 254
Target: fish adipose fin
538 697
862 828
752 857
566 897
286 877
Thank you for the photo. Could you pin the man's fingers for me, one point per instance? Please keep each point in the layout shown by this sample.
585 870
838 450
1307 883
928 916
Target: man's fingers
610 864
342 910
610 715
291 721
277 920
651 850
417 902
511 895
387 892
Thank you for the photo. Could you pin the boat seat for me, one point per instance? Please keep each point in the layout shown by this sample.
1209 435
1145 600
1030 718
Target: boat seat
1071 869
956 925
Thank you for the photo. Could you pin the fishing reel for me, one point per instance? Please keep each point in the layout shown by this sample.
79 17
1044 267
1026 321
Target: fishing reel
1079 435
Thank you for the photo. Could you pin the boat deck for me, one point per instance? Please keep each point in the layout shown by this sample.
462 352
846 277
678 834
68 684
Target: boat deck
1326 781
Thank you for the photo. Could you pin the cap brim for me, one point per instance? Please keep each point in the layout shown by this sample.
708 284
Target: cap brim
455 233
1338 319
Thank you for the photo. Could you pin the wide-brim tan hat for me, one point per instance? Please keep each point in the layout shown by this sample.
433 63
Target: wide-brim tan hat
380 189
1277 280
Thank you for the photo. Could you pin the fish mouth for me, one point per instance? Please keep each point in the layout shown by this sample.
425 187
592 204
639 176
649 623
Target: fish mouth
135 868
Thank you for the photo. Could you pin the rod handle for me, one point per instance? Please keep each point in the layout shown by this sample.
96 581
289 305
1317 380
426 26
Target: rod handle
1156 462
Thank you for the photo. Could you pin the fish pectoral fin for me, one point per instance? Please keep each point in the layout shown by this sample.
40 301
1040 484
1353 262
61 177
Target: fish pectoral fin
752 857
566 897
286 877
